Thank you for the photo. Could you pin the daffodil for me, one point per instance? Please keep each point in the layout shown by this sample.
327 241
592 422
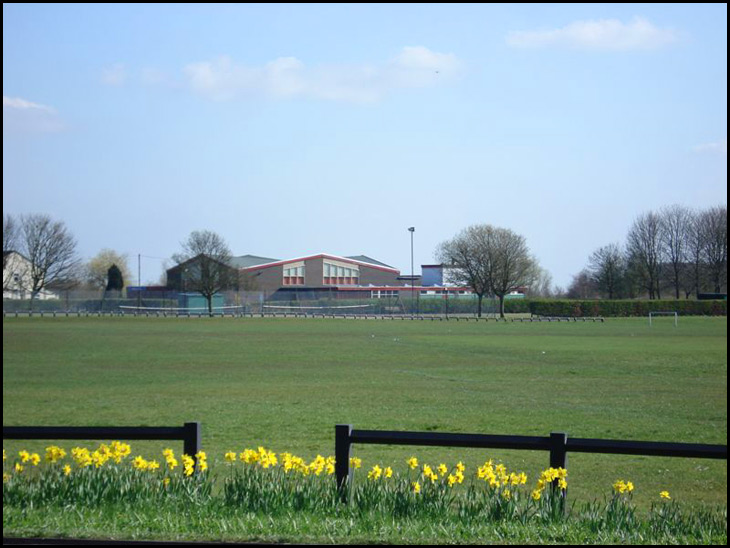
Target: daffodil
375 473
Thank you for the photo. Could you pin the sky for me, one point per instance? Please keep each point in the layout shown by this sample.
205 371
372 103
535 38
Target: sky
297 129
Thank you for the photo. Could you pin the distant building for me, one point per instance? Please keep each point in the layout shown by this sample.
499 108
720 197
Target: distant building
321 275
437 274
17 282
324 275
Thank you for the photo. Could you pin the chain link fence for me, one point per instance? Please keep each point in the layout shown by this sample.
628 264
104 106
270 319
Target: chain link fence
305 302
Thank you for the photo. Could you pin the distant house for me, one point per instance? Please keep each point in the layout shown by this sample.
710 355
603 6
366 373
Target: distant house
17 282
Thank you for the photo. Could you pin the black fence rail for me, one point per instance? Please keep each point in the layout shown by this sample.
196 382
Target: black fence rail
557 444
189 433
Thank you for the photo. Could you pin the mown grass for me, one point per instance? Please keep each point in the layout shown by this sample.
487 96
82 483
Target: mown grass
220 523
285 383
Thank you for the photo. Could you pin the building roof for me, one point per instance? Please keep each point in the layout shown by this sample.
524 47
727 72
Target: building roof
371 263
366 259
245 261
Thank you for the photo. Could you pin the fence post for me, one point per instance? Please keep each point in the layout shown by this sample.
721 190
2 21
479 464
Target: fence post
342 460
559 459
192 441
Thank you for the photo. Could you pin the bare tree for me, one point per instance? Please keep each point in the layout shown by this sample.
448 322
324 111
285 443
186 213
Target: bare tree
489 260
676 225
645 251
513 266
714 234
607 268
206 265
693 282
51 252
468 256
10 245
582 286
543 284
10 236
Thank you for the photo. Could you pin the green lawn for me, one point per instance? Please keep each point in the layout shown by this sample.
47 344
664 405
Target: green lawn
285 383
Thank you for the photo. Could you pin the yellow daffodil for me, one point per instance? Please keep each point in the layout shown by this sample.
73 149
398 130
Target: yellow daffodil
375 473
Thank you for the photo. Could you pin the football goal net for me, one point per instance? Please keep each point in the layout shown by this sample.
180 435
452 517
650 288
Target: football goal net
325 309
653 315
181 310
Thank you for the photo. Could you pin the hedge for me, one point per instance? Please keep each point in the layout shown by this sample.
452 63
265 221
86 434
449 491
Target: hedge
625 308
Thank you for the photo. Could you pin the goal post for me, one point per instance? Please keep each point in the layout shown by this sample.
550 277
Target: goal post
655 314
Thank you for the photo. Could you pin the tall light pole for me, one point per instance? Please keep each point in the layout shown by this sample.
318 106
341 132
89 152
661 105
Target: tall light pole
413 287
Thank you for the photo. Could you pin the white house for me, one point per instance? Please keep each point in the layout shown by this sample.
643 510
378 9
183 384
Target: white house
17 282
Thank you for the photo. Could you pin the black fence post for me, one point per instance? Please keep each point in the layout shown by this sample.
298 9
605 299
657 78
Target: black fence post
559 459
192 441
558 450
342 460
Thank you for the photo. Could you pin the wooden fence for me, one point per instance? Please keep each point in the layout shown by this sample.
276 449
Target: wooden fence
189 433
558 444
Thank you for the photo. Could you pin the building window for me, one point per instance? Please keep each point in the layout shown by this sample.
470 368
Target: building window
337 274
383 294
294 275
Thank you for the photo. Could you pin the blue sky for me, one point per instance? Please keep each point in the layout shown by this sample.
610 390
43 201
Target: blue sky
296 129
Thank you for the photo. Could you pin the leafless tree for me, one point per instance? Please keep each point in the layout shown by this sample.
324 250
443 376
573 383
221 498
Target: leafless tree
607 268
693 282
513 266
10 245
206 260
468 256
713 222
51 252
542 286
10 235
582 286
675 231
645 251
489 260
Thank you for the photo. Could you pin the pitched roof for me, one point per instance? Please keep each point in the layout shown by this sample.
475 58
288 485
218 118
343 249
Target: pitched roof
370 263
366 259
244 261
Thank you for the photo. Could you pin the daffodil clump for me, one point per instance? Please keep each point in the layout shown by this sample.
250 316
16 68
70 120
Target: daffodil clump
262 481
259 480
107 473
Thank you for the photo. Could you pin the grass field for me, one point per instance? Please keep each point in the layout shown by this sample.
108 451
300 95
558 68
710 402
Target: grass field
285 383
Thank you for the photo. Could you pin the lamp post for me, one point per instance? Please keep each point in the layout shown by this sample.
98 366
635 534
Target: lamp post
413 287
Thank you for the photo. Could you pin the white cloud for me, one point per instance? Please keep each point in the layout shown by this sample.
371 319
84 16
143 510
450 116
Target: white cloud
115 75
602 35
288 77
21 115
17 103
720 147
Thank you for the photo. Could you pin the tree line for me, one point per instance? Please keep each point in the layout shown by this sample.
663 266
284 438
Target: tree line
675 251
40 254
